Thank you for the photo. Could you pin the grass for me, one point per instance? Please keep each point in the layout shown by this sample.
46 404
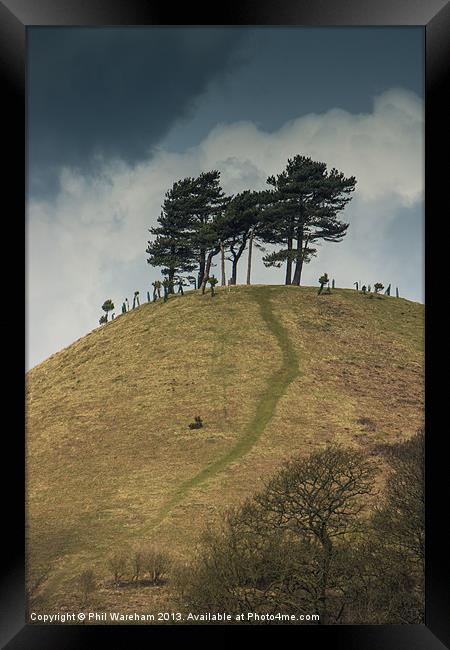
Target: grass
273 372
264 409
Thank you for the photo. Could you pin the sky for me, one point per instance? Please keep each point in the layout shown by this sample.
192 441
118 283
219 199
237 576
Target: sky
116 115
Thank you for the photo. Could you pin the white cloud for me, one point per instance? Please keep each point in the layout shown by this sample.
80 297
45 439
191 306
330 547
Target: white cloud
88 242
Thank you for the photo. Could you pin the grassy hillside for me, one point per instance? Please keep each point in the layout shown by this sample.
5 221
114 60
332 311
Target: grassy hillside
273 371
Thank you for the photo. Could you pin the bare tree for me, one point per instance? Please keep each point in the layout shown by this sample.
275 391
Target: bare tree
319 499
118 565
284 550
398 548
155 564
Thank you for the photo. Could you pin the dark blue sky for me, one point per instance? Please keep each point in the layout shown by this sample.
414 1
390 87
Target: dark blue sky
121 91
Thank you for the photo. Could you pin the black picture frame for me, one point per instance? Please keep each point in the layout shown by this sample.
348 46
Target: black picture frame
434 17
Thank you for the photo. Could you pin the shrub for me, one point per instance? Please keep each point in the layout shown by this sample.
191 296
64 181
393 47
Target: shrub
197 424
144 565
86 583
107 306
137 561
212 280
367 423
396 559
118 565
155 565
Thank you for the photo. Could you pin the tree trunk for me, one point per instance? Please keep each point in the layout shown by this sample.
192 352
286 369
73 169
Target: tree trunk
298 267
171 276
236 258
250 250
208 267
325 571
222 260
234 264
201 269
288 279
301 253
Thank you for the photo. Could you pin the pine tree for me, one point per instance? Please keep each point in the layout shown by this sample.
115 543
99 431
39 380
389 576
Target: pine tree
188 233
207 206
302 209
171 247
241 218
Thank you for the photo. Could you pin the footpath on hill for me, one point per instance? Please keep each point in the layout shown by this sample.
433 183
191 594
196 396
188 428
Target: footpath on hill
264 410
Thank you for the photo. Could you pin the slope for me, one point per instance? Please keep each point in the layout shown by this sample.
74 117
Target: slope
273 371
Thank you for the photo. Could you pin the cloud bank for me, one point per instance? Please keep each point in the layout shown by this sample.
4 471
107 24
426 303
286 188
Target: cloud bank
87 242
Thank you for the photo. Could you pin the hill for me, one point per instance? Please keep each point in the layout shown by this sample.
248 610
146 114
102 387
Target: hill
273 371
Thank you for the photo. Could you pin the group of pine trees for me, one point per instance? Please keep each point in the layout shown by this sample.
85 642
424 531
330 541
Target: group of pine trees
299 208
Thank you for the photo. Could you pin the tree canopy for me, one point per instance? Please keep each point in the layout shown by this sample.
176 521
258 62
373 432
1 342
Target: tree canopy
170 248
299 209
302 209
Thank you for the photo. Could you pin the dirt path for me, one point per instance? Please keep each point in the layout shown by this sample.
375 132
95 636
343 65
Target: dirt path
265 406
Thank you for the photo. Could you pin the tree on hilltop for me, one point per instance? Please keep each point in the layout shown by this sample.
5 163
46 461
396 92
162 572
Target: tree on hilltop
188 234
171 248
240 223
207 226
303 208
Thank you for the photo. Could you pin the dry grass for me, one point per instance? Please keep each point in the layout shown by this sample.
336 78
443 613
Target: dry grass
272 371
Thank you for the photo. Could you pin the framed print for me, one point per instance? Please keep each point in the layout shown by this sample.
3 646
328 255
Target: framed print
231 409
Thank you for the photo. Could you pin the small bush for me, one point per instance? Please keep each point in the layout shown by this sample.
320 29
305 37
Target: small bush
367 423
118 565
145 565
197 424
87 584
155 565
137 561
